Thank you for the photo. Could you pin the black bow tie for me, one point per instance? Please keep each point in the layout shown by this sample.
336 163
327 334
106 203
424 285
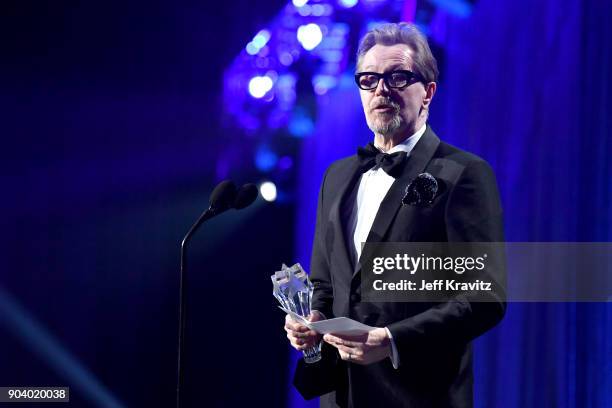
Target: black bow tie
370 156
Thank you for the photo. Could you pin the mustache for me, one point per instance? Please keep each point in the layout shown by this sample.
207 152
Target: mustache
384 103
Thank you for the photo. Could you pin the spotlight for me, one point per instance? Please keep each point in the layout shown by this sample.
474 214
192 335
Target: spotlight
348 3
259 86
300 123
261 38
322 83
259 41
286 59
251 49
268 191
309 36
265 159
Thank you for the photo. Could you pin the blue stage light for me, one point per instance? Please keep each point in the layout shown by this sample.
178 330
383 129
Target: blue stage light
251 49
42 344
348 3
285 163
374 3
300 124
259 86
322 83
265 159
258 43
309 35
261 38
459 8
267 189
286 59
304 11
317 10
285 88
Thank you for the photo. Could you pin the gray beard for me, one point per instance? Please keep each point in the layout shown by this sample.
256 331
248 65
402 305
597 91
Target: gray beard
385 127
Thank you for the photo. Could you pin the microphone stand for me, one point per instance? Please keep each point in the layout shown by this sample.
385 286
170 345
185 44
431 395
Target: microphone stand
208 214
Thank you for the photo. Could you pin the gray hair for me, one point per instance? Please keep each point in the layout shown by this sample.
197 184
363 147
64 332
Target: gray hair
423 60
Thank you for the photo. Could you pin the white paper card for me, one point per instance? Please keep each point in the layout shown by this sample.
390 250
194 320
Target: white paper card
337 325
340 325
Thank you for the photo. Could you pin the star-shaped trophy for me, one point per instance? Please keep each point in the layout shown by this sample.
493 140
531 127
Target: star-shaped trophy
293 290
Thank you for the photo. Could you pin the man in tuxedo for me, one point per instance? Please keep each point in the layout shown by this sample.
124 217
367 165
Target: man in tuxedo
419 353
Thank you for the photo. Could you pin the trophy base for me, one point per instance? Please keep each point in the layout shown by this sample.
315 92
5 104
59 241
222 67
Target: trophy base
312 359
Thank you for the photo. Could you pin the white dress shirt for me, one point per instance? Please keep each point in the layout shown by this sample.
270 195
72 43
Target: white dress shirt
373 188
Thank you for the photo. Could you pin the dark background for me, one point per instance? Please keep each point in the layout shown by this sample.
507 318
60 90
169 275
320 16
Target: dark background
110 133
113 130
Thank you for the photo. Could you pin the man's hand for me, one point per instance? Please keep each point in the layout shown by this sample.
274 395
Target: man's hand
300 336
363 349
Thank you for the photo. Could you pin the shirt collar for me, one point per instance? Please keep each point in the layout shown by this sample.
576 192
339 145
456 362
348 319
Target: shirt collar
408 144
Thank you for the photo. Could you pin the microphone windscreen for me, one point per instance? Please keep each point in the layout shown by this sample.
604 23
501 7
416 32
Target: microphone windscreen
245 196
223 195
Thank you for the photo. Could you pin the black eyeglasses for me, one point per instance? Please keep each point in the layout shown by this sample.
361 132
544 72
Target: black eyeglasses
394 79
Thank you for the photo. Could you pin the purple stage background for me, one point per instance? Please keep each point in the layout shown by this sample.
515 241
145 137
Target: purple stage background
115 130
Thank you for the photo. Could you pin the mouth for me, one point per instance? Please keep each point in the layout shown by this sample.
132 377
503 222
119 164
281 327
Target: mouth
384 109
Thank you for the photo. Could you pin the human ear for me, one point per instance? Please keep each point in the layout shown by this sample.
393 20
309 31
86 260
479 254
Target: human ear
430 90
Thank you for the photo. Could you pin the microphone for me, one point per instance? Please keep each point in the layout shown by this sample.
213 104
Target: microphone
224 196
245 196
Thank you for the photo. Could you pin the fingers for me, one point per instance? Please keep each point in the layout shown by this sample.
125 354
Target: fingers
350 356
354 352
301 343
300 336
296 343
315 316
334 340
361 349
291 324
349 350
297 329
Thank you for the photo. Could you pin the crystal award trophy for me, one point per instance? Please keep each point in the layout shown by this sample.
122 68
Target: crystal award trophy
293 290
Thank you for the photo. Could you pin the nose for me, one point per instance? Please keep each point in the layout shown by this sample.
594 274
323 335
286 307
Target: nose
381 88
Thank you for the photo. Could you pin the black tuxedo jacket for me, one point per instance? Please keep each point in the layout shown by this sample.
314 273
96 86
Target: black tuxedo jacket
432 339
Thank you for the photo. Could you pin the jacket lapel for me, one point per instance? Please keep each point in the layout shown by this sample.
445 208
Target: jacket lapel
341 213
420 155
